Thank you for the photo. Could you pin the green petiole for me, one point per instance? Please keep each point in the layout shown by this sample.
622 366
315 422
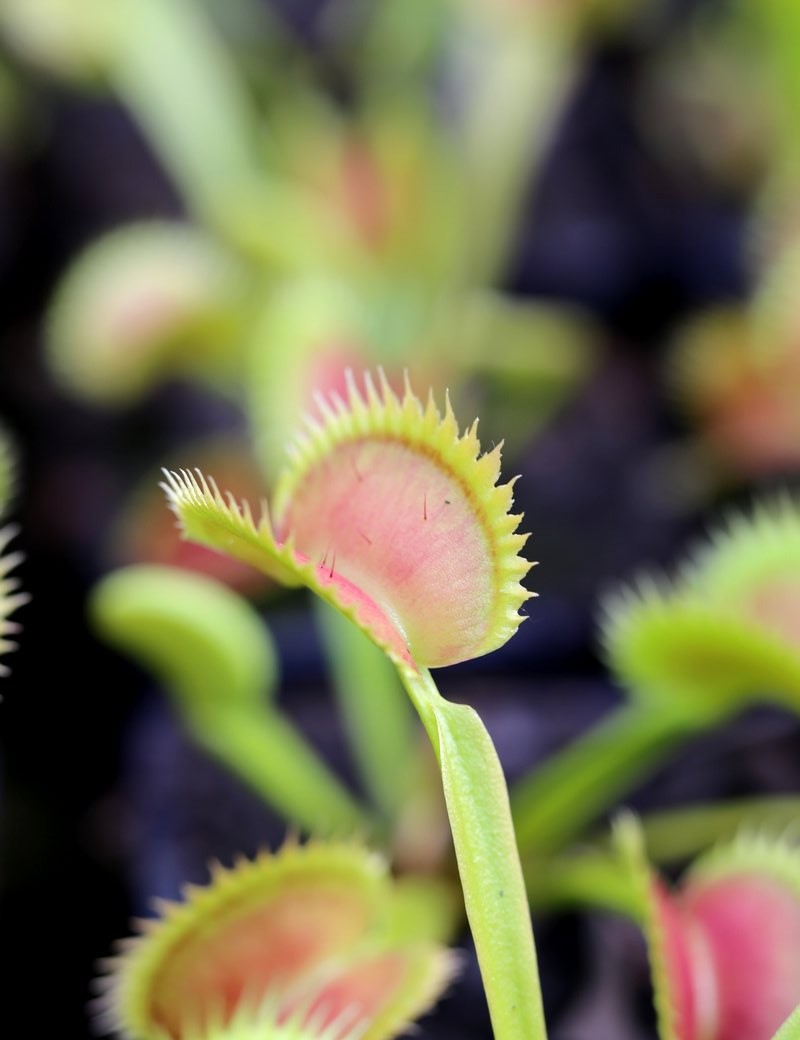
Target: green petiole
558 799
488 861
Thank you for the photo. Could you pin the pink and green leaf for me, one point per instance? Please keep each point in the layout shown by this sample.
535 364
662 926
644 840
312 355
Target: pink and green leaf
146 302
390 514
726 630
293 936
790 1030
725 948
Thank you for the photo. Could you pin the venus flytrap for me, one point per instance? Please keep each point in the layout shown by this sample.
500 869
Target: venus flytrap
307 334
691 654
723 634
725 948
146 302
10 596
390 515
375 712
299 945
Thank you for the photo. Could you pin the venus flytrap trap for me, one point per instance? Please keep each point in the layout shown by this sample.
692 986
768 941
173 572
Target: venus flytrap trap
723 634
393 517
10 596
734 372
144 303
725 948
298 945
691 654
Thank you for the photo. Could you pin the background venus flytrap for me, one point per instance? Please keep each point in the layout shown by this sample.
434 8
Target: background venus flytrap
11 597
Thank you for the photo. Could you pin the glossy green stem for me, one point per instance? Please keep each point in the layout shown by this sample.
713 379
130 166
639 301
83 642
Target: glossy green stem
523 73
182 87
270 755
215 658
681 834
376 712
589 877
554 803
491 876
174 73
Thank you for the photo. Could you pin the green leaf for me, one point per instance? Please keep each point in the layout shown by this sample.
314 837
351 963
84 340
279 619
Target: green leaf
203 640
673 835
175 74
488 861
8 465
557 799
376 712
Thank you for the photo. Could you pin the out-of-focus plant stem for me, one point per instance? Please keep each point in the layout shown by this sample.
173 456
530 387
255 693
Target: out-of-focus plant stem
554 803
376 712
215 659
268 753
175 75
587 877
183 88
517 85
678 834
